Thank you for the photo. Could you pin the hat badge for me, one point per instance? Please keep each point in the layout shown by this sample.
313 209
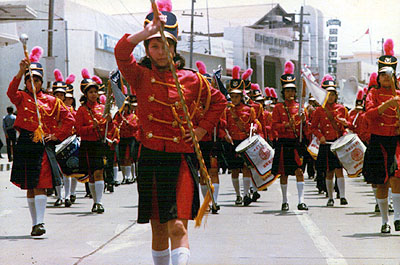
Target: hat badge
388 60
331 83
235 83
289 78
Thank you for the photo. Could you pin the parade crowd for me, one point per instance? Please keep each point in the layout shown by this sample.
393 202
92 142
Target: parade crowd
148 137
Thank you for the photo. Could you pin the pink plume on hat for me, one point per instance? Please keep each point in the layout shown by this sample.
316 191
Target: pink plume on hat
235 72
58 75
365 90
97 79
360 94
202 67
163 5
289 68
373 80
36 54
103 99
267 92
388 47
327 77
124 90
273 93
247 74
85 73
70 79
255 87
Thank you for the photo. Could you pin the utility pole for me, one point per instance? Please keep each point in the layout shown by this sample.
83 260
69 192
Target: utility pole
192 14
299 83
208 27
50 35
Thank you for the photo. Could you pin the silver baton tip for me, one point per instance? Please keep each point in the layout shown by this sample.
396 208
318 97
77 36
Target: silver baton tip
23 38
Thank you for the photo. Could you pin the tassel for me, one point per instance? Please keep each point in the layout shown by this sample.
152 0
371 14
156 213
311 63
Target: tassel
38 134
204 207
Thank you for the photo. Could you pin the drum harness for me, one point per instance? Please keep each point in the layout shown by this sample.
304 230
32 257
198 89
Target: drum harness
332 120
291 121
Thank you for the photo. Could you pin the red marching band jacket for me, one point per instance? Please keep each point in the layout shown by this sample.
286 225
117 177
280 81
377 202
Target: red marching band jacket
356 122
128 126
55 117
384 124
84 123
322 126
238 121
280 119
162 121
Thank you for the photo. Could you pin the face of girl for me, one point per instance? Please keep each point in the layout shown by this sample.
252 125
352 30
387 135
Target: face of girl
68 101
60 95
156 52
289 93
331 97
236 98
37 82
92 94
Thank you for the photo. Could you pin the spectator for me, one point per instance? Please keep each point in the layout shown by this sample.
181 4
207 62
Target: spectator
10 132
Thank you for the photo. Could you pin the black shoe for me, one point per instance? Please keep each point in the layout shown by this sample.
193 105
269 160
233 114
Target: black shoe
391 210
38 230
397 225
100 208
215 211
130 181
385 229
285 207
337 195
238 200
330 203
302 207
110 187
68 203
377 210
58 202
94 208
124 181
343 201
49 192
256 196
117 183
247 200
72 198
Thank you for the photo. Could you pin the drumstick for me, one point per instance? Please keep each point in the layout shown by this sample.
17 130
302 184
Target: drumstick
251 130
227 133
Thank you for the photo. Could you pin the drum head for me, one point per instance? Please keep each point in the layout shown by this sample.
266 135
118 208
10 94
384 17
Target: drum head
246 144
65 143
342 141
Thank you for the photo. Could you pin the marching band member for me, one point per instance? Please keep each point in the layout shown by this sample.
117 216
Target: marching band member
382 113
208 146
34 161
308 160
91 126
328 124
286 120
168 193
239 118
127 124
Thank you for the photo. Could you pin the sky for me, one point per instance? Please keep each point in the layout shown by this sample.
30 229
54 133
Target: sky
380 17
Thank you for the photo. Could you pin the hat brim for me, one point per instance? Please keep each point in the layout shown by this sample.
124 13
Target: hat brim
69 95
158 35
59 90
291 85
236 91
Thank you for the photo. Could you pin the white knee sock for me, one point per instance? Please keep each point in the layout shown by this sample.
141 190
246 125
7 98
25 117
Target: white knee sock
133 170
128 172
236 186
115 170
396 205
93 191
246 186
74 183
40 206
32 210
99 187
390 195
216 190
203 190
384 208
300 191
58 189
341 186
374 190
180 256
67 186
284 193
329 188
161 257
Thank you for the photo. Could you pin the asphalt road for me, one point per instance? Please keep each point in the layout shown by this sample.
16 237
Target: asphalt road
258 234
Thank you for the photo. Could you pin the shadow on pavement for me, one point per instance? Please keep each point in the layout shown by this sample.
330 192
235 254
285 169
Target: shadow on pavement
371 235
20 237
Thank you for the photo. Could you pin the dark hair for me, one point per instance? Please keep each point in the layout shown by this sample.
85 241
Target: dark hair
178 59
83 100
10 110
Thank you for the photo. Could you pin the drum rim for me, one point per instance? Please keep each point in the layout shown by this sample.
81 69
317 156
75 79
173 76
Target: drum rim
62 148
336 146
252 143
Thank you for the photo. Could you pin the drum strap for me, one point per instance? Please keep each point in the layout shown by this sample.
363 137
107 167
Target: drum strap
291 121
332 120
237 121
92 116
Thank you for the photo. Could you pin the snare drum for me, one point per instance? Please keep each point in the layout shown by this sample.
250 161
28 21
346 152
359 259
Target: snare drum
67 154
258 156
350 151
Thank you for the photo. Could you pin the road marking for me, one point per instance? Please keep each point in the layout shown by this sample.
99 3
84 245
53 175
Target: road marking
321 242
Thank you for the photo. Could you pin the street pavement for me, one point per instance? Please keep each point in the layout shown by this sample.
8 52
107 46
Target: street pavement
258 234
